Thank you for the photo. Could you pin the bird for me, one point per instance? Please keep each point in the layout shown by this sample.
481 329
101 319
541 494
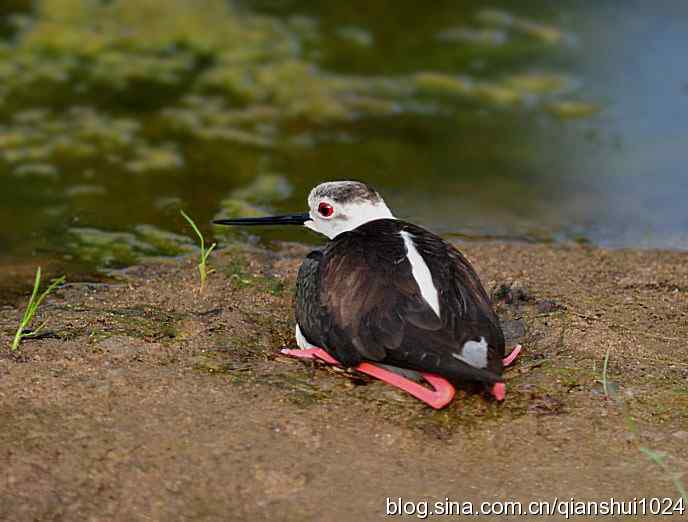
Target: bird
390 298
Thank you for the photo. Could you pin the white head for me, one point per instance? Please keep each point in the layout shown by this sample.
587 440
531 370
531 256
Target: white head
335 207
340 206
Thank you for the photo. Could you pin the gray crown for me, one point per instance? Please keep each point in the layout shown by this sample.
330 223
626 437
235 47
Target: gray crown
345 192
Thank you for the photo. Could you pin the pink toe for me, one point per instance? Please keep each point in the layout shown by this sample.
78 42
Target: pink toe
444 390
438 398
302 354
442 393
499 391
512 356
311 353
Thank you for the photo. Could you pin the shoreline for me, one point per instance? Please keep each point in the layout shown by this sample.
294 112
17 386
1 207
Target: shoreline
149 398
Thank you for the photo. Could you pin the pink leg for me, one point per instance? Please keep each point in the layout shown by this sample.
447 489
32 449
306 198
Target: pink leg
438 398
512 356
499 391
443 390
311 353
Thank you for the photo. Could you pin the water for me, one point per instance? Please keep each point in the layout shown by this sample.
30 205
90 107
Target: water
539 122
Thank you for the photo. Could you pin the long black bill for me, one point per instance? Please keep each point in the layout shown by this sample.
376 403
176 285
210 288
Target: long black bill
289 219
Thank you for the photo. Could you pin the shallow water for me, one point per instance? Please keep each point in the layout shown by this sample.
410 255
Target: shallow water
534 122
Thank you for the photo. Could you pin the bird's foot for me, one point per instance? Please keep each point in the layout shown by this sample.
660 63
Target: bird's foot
441 394
512 356
311 353
498 391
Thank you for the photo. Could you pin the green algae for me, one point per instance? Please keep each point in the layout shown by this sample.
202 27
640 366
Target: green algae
571 109
98 95
545 33
474 36
233 207
247 59
143 323
508 91
85 191
356 35
212 118
253 199
164 242
440 84
540 83
115 249
239 272
79 132
42 170
265 188
149 158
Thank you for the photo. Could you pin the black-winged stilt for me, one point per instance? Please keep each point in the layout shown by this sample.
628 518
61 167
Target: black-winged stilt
390 298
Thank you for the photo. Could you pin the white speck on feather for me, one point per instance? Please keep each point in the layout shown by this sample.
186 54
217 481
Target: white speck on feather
421 273
474 353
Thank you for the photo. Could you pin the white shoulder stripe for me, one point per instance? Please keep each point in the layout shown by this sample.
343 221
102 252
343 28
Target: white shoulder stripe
421 273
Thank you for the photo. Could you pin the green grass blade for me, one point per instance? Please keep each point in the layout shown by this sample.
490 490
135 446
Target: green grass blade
17 337
53 285
207 252
193 225
32 307
659 458
605 386
202 269
35 331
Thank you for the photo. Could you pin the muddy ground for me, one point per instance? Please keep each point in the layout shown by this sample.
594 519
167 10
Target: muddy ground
151 401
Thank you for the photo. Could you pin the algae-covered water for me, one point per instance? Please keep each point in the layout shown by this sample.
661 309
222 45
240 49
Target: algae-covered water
533 120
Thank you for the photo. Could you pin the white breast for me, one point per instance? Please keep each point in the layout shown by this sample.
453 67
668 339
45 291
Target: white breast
421 273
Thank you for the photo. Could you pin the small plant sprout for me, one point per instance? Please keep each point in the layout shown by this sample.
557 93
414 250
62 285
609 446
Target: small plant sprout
660 458
605 385
202 264
31 308
609 389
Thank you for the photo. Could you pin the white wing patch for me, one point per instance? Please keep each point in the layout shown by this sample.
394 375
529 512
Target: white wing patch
421 273
301 340
474 353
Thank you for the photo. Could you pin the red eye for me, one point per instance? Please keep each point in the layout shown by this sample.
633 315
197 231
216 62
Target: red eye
325 209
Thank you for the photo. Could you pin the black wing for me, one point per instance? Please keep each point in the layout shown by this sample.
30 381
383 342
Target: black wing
309 311
365 304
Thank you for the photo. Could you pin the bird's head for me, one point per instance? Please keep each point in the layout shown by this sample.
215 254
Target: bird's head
334 207
340 206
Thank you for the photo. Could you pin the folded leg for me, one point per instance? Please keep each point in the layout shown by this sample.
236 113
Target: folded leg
441 394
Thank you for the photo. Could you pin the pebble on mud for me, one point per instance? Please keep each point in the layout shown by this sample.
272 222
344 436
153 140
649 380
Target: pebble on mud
547 306
511 293
513 329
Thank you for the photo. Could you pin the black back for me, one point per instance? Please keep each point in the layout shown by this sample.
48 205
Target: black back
358 299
